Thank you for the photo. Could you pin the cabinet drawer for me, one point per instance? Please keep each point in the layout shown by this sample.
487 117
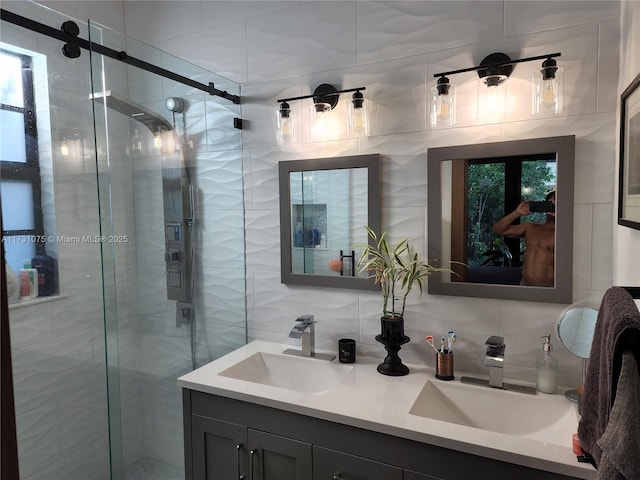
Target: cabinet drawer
332 465
409 475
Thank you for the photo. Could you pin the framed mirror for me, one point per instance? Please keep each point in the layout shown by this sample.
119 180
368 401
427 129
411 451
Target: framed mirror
501 216
325 204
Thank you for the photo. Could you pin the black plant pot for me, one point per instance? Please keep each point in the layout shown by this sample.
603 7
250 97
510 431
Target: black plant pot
392 337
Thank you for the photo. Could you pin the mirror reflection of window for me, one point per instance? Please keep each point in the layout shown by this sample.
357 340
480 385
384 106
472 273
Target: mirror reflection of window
487 190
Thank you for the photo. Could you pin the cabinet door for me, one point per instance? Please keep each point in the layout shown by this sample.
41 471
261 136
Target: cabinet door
272 457
218 450
409 475
333 465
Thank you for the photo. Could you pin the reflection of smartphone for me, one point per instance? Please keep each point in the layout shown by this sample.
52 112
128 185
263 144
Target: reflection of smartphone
542 207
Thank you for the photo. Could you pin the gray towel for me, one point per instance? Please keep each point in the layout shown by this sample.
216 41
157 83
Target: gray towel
620 443
617 329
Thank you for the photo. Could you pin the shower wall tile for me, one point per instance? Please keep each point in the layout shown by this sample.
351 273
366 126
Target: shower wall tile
220 13
30 324
317 38
388 30
56 470
538 16
180 18
163 421
226 55
214 341
38 444
263 239
83 419
218 178
218 232
222 293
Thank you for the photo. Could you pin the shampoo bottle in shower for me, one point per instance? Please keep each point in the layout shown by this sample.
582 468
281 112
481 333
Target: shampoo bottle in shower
547 368
28 278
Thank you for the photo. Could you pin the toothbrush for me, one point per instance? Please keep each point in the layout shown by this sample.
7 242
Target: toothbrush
449 337
453 339
429 339
442 340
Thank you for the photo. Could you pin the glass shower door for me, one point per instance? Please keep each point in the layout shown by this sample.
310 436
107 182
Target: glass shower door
171 209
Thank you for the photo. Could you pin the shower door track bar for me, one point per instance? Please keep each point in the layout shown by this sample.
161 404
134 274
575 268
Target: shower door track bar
121 56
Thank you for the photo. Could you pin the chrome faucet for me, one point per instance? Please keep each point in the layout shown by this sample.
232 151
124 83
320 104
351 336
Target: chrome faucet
494 359
304 329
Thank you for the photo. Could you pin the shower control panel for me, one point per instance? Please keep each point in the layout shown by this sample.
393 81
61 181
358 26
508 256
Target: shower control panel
174 256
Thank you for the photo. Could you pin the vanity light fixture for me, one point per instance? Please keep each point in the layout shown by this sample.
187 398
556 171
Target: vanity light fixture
443 102
493 72
325 98
547 88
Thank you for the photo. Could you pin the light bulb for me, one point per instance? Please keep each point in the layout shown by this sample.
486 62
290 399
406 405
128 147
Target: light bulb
492 99
548 97
320 119
284 122
444 109
157 139
547 92
64 148
358 119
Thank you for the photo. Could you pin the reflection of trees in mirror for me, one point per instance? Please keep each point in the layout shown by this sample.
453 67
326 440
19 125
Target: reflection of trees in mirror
494 188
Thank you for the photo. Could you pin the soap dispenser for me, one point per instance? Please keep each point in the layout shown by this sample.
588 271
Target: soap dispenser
547 368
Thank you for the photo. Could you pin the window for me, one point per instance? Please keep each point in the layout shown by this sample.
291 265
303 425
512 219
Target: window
23 234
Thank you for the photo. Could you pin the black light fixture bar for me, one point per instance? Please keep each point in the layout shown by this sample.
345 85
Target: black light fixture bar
497 64
337 92
66 34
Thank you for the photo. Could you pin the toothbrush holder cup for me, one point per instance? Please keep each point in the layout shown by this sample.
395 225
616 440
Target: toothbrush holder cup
444 366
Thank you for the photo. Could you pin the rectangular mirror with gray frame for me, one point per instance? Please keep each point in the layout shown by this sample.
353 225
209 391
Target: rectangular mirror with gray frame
501 217
325 204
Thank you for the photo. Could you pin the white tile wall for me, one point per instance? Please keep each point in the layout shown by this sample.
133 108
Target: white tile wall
394 48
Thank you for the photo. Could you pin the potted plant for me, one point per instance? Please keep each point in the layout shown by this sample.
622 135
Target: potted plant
398 269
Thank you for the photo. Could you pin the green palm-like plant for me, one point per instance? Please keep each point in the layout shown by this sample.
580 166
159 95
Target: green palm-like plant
397 269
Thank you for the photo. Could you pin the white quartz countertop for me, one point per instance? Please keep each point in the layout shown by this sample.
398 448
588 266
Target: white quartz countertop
366 399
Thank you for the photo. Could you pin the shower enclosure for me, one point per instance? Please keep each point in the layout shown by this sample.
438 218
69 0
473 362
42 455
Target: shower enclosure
141 206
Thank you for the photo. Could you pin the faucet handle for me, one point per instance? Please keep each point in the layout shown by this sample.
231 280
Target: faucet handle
306 319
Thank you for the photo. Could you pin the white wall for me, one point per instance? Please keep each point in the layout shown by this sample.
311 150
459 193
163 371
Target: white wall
284 49
627 241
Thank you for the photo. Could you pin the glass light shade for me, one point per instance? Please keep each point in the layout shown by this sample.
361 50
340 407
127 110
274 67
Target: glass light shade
443 105
321 127
285 124
547 91
492 98
358 121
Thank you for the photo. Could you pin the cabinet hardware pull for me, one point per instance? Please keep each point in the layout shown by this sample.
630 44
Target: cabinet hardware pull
337 476
252 455
241 476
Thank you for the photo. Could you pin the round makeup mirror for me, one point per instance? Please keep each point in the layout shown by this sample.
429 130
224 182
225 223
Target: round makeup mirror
575 330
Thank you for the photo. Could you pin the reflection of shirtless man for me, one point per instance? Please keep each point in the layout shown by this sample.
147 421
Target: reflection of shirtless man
538 264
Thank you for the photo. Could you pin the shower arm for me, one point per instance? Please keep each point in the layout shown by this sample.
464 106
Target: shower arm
69 34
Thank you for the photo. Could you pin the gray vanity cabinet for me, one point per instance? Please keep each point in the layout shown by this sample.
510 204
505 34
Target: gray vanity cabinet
222 450
227 438
272 457
332 465
219 450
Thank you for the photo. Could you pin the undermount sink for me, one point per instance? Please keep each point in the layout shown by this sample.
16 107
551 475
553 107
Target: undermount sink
547 418
307 375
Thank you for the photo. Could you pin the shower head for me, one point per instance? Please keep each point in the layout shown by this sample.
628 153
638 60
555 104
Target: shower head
149 119
174 104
